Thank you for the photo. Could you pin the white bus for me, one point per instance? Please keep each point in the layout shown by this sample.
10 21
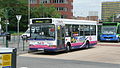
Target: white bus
52 34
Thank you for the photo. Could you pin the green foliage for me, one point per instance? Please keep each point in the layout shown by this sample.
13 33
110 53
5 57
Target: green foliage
43 12
10 8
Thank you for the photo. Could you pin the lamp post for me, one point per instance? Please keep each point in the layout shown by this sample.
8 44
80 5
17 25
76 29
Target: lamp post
0 27
0 19
7 22
28 12
18 18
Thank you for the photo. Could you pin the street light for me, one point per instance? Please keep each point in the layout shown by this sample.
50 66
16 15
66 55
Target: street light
0 19
7 22
0 27
28 12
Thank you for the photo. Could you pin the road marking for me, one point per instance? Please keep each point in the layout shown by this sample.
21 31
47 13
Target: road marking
23 67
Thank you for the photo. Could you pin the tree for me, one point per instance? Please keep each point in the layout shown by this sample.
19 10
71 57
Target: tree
43 12
2 16
9 9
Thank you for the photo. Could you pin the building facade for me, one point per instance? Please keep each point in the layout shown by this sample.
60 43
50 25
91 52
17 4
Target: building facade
110 9
65 7
91 18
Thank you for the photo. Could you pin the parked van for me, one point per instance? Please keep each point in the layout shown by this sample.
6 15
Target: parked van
27 33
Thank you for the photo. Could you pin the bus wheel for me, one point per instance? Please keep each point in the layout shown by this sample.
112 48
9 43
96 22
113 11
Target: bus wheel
68 48
30 51
118 40
87 45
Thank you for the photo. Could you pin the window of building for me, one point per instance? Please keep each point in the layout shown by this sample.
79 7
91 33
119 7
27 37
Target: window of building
44 1
59 1
63 16
33 1
61 9
71 10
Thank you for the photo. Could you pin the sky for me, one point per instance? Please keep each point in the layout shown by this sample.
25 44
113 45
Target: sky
84 7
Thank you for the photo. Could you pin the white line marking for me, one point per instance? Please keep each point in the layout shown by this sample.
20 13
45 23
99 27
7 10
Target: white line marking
23 67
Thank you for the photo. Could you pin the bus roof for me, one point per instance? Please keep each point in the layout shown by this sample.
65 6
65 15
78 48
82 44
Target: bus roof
68 21
111 22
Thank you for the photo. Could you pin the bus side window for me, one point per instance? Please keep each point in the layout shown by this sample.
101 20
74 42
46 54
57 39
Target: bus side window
68 30
93 29
75 30
81 30
118 29
87 30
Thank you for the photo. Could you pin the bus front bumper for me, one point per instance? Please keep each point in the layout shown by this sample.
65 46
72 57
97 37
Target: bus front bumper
109 39
43 49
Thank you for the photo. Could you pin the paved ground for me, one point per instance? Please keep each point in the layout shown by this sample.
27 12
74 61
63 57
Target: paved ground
108 44
33 62
105 54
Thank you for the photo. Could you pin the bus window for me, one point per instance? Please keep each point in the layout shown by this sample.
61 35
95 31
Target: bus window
75 30
87 30
93 29
118 29
43 31
81 30
68 30
51 31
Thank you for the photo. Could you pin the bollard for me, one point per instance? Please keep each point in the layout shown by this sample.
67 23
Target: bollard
6 41
24 38
8 38
23 45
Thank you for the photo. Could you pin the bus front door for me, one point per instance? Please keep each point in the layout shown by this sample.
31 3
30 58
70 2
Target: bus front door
60 37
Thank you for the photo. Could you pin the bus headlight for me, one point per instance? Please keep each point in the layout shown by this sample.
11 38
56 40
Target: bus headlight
30 44
117 35
52 46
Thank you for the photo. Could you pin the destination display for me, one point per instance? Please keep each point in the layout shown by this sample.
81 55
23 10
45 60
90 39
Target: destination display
42 21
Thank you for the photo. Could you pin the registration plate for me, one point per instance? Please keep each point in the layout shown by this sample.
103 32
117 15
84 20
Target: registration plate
107 39
40 49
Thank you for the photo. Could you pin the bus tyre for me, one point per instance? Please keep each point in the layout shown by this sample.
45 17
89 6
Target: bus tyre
68 48
118 40
30 51
87 45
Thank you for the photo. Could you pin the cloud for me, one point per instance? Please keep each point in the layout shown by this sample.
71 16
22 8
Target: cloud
82 7
110 0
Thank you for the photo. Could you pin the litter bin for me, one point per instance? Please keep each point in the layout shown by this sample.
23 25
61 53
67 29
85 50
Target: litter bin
8 57
8 36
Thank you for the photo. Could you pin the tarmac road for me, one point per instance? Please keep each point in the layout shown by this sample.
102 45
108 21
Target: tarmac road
103 54
32 62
